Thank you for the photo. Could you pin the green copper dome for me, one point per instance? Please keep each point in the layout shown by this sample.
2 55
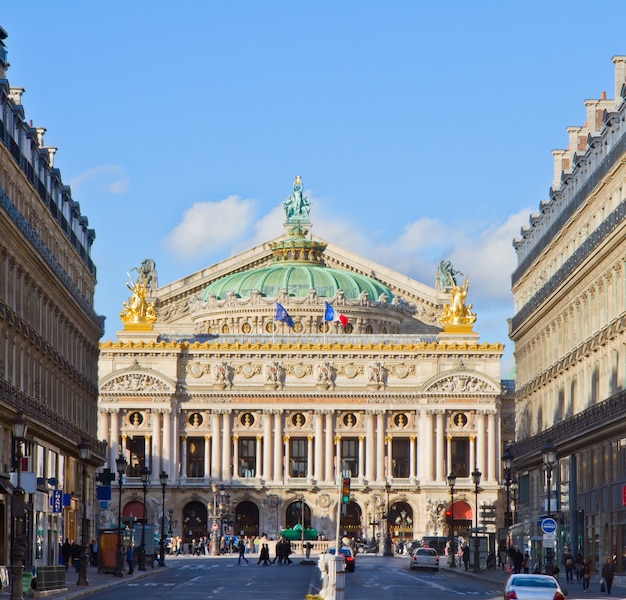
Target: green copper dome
297 278
298 265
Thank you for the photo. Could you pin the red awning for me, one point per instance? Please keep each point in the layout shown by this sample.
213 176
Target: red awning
462 511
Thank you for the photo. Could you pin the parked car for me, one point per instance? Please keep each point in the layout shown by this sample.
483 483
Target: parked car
521 586
425 558
348 556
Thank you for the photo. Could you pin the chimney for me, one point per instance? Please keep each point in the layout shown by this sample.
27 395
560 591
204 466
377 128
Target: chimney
620 76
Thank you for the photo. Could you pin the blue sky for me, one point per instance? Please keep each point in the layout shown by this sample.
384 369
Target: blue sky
422 131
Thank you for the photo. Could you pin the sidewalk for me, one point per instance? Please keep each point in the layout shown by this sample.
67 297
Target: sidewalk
500 576
97 583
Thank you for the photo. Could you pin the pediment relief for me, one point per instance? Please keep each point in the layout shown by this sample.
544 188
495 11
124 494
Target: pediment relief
462 383
136 382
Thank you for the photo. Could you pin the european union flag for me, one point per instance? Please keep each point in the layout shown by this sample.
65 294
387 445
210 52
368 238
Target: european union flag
283 315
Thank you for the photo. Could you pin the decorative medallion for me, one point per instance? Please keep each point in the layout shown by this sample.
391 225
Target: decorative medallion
247 419
349 328
298 327
246 328
270 327
323 327
351 371
135 419
225 328
349 420
248 370
195 419
298 420
460 419
401 420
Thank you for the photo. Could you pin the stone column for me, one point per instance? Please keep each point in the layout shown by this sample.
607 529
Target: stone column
449 465
114 429
370 464
183 458
166 458
361 453
319 446
480 442
309 461
216 442
439 458
278 450
287 455
338 465
330 451
389 444
227 472
412 461
259 454
491 447
267 445
156 444
380 446
207 457
236 473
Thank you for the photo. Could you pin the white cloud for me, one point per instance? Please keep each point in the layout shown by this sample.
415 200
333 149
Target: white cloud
208 225
112 178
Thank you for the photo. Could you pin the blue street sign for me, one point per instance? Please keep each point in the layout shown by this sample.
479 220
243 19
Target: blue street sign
56 501
548 525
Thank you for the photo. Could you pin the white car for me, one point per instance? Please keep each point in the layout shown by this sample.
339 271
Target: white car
425 558
536 587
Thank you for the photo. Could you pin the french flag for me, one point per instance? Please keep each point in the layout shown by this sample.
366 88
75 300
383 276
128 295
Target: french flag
332 315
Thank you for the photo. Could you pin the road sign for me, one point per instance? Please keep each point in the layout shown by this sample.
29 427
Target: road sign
548 525
215 526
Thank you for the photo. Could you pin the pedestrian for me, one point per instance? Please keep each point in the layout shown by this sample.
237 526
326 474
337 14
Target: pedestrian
66 552
242 550
264 555
94 552
466 556
608 573
568 562
130 559
586 574
526 562
76 551
578 564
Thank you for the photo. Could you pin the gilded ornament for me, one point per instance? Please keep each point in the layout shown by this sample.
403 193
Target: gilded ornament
457 316
138 313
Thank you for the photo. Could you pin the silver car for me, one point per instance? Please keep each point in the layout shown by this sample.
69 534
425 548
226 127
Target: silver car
533 587
425 558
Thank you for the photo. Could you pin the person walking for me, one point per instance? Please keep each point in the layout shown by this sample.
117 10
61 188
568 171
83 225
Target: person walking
568 562
466 556
242 550
585 571
608 573
130 559
264 555
66 552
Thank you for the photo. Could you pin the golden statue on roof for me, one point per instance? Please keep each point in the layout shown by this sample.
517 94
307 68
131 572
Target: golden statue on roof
457 316
138 313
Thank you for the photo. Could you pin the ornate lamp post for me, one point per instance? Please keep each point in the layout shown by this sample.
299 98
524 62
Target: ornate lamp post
451 552
388 551
120 465
84 451
476 479
507 459
19 428
163 479
145 478
214 541
549 460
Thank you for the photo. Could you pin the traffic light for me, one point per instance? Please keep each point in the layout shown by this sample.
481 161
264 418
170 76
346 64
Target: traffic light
345 491
448 517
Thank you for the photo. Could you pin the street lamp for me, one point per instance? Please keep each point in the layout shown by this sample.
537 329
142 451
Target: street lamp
476 479
120 464
214 540
19 428
549 460
163 479
387 550
402 521
145 478
84 451
507 458
451 552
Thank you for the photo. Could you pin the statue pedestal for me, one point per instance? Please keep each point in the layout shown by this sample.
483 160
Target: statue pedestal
460 336
137 335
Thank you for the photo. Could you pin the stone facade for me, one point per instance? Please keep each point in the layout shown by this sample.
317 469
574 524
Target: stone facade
49 335
569 333
217 391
